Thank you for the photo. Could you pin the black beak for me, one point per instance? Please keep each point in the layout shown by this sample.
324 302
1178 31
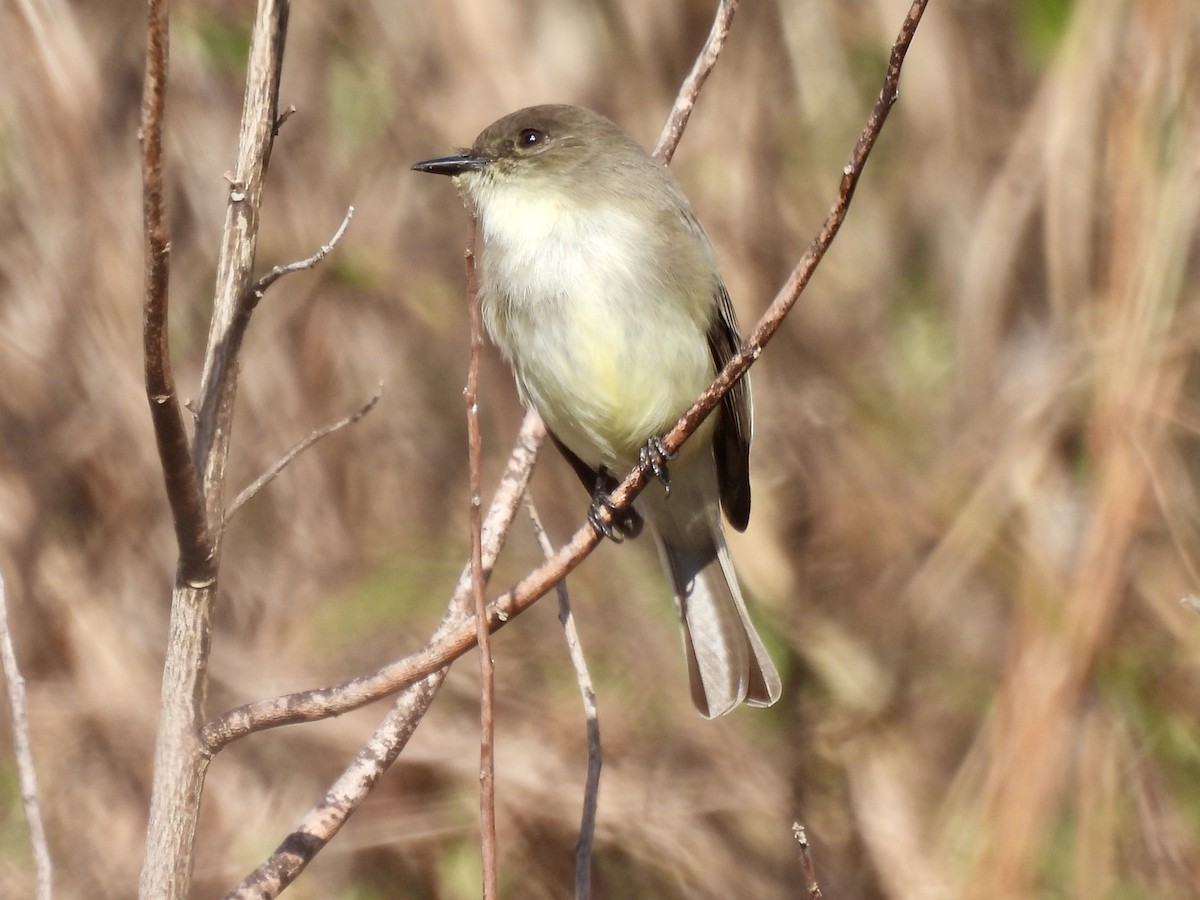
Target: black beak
452 165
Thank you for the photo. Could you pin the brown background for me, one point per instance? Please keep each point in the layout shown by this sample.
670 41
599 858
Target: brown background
975 514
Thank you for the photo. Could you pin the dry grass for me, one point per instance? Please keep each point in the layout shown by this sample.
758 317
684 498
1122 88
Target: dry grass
976 506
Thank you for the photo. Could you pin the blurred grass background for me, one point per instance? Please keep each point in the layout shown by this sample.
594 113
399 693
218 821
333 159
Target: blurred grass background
976 506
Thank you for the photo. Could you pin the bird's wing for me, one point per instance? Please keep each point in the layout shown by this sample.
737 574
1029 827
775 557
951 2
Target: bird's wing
731 444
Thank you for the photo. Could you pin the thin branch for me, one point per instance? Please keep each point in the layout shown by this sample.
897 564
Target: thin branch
591 715
812 888
26 772
487 666
324 820
308 706
284 461
174 451
260 287
685 101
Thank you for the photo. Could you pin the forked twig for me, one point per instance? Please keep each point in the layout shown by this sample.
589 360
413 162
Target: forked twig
196 486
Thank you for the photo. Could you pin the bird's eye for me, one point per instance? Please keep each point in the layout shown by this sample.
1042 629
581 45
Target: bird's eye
530 137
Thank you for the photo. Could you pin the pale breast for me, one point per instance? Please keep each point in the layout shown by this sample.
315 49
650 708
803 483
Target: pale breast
605 343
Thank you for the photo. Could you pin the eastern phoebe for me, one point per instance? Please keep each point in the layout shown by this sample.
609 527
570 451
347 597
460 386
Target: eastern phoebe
601 290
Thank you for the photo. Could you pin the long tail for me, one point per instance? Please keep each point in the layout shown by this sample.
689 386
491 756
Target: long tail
727 662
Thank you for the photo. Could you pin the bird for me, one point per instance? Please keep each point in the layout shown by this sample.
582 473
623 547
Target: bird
600 288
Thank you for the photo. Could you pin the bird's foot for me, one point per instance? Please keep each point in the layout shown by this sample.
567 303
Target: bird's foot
624 523
655 455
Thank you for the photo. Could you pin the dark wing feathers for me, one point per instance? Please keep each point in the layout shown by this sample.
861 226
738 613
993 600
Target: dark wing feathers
731 443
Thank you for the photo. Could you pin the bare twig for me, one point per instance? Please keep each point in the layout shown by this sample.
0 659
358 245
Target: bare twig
487 667
26 773
282 463
591 791
440 651
810 871
685 101
263 283
174 451
323 821
282 120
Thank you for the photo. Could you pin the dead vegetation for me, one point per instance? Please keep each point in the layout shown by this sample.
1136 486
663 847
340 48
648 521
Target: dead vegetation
975 471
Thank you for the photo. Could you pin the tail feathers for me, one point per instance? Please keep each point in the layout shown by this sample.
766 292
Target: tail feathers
727 662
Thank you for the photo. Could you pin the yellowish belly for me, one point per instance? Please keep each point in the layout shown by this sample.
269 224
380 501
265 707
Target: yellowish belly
607 377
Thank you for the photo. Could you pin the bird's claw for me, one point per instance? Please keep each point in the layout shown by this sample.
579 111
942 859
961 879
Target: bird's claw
655 455
622 523
594 516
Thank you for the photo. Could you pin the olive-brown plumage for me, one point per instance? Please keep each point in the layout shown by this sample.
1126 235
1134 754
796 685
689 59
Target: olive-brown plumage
601 290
